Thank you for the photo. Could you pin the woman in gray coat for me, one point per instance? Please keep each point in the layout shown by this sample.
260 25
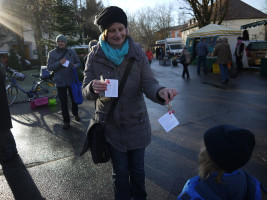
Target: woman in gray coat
128 128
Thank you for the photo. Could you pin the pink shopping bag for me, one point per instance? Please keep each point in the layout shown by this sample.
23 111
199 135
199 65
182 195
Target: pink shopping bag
43 101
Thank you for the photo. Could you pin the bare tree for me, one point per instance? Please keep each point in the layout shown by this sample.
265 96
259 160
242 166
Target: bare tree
150 24
207 11
36 15
142 26
163 19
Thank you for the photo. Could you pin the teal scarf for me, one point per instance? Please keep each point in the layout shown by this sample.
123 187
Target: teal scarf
114 55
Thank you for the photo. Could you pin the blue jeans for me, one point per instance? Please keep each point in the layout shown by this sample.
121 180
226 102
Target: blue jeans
128 174
201 61
224 72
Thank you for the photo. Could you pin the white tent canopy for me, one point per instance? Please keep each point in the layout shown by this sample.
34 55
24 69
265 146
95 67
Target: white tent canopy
214 30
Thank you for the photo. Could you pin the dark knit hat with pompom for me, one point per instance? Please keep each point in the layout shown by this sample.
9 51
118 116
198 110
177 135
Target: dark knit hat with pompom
110 15
229 147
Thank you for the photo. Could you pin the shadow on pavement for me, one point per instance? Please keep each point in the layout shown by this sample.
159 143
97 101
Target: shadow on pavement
47 120
19 180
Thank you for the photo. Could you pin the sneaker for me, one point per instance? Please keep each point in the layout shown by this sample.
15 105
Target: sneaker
66 125
77 118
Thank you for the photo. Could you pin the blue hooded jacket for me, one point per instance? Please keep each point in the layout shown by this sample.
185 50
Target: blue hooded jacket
237 185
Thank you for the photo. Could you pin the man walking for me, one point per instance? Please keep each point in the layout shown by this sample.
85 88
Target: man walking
61 60
202 52
223 53
239 51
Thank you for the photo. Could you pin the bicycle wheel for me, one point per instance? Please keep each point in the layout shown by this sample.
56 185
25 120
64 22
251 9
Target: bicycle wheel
11 93
46 89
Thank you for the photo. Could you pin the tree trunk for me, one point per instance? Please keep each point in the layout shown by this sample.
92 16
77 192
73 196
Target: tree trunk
20 43
39 44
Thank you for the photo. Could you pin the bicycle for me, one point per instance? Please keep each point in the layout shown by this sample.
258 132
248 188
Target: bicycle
44 87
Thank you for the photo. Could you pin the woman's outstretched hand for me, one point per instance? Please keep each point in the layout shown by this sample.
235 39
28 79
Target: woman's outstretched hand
167 94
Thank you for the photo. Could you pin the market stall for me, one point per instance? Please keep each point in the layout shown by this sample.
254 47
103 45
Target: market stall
211 32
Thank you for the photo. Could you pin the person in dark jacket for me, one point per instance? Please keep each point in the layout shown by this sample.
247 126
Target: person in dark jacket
187 55
202 52
227 149
7 143
61 60
224 56
239 51
128 130
90 48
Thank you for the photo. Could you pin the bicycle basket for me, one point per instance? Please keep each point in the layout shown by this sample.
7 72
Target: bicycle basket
44 72
19 76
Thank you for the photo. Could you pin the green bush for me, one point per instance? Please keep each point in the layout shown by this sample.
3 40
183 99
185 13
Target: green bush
13 61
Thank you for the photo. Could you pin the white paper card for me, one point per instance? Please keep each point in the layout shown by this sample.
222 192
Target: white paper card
112 88
66 64
168 121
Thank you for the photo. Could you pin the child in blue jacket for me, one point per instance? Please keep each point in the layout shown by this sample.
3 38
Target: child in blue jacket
227 149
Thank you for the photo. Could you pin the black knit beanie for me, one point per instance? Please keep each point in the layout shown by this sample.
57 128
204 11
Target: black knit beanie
229 147
110 15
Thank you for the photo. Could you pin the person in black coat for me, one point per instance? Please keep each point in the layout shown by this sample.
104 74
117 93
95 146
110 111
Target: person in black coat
7 142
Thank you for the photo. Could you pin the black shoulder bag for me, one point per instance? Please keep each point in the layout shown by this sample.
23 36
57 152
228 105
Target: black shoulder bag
95 137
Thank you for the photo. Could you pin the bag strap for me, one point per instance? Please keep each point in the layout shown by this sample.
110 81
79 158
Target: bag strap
63 55
121 86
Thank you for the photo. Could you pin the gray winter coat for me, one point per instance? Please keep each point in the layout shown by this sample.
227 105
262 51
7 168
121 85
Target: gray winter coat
63 76
128 127
223 53
187 56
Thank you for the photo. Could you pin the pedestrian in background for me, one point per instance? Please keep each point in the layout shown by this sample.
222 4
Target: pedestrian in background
224 56
7 143
127 130
90 47
226 150
239 51
63 75
202 52
157 53
187 62
91 44
149 55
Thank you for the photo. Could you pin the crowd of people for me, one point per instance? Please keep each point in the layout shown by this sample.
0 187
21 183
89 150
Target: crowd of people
128 132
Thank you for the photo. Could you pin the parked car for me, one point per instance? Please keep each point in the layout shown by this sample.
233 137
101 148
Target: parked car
255 50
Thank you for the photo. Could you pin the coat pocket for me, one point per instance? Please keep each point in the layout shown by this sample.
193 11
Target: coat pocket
134 120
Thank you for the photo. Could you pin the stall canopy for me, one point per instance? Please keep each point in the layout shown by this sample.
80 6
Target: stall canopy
258 23
212 30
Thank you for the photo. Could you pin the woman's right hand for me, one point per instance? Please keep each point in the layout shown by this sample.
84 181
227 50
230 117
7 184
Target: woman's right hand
99 86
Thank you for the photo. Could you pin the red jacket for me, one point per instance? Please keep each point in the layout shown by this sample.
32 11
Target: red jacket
149 55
